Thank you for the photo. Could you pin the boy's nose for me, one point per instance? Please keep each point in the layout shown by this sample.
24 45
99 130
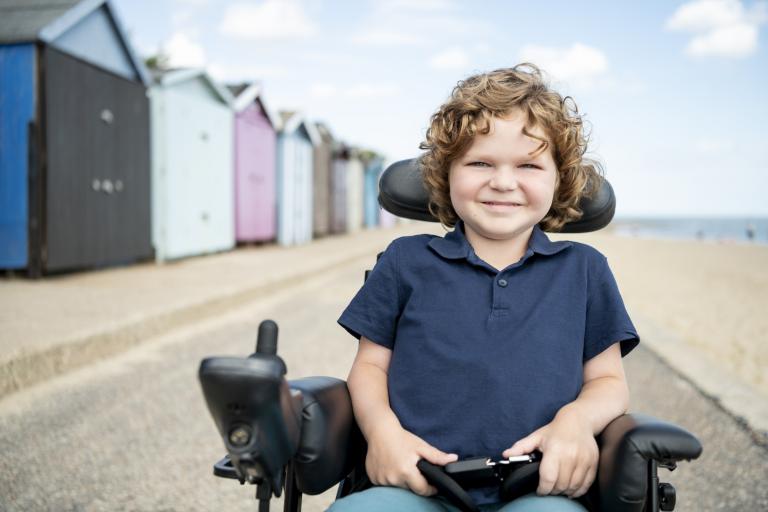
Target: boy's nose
503 179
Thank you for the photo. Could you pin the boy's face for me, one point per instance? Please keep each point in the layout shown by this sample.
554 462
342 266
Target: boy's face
497 188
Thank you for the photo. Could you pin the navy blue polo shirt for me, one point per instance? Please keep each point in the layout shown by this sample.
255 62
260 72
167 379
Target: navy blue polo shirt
481 357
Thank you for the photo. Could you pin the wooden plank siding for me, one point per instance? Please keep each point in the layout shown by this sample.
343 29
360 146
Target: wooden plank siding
255 168
97 166
322 182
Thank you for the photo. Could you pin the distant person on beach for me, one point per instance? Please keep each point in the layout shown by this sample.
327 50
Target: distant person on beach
491 340
750 231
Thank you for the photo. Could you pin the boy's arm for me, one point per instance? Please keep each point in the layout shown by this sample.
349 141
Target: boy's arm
367 384
605 394
568 442
392 451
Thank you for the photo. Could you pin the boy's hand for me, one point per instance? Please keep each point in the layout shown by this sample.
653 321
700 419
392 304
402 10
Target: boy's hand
569 454
392 456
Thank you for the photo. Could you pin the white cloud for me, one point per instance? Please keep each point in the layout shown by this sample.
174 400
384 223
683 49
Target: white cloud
322 90
271 19
705 15
244 73
579 65
182 51
722 28
737 40
453 58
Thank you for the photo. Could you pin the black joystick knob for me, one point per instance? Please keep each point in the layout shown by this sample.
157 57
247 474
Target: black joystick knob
667 496
266 341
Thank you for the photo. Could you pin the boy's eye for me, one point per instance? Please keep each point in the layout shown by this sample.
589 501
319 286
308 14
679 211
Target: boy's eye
531 166
478 164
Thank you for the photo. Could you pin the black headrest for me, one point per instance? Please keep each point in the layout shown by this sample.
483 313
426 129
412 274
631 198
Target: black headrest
402 193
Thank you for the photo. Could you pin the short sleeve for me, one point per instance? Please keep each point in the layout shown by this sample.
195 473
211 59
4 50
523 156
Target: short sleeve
607 319
375 309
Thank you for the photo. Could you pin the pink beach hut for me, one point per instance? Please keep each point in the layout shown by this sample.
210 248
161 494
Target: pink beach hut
255 165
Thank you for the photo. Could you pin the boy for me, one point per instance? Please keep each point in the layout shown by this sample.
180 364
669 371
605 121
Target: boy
493 340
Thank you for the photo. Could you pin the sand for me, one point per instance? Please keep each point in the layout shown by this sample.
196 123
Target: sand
713 297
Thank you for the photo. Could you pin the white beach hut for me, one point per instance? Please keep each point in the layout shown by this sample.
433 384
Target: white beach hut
296 141
355 189
192 165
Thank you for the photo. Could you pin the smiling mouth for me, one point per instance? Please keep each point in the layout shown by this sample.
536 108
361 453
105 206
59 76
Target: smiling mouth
500 203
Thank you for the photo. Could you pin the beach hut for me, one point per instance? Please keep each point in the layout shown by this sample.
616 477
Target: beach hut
322 181
74 138
192 165
373 169
339 189
255 165
386 219
295 146
354 177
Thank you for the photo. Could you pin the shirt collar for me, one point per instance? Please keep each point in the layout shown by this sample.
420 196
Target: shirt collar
454 245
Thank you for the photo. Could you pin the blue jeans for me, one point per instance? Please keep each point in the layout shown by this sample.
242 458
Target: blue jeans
388 499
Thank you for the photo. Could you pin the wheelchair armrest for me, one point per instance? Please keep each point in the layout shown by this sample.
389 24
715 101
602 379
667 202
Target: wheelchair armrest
330 443
627 445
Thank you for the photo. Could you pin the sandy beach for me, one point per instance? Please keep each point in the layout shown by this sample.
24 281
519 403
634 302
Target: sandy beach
711 297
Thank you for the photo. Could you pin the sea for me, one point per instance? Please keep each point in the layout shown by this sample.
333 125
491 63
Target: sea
744 230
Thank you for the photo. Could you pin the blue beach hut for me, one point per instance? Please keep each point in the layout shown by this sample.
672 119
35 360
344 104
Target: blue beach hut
373 169
296 141
74 138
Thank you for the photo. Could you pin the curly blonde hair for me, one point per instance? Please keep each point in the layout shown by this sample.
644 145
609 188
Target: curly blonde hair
468 112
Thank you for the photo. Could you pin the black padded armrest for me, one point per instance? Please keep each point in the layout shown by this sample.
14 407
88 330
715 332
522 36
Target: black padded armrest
402 193
330 442
626 446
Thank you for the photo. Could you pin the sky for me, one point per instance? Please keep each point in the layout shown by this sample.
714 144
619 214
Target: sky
673 92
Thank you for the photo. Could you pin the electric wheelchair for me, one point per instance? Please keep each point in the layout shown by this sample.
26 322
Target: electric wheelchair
300 437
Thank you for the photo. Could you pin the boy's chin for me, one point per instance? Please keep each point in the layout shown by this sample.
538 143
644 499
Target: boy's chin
501 234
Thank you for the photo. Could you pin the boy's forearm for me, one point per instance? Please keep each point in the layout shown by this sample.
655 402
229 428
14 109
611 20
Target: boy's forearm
370 398
601 401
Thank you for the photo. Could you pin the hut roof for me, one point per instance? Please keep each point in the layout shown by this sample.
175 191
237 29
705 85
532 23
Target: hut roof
245 94
22 20
324 132
236 89
177 76
292 121
27 21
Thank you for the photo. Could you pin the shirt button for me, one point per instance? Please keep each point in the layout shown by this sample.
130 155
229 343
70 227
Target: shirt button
502 283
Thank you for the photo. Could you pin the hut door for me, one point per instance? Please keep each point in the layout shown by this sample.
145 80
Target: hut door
97 179
255 176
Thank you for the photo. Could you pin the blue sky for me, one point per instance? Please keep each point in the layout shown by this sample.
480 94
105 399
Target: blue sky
674 90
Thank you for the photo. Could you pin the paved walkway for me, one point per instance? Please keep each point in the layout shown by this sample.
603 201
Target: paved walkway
59 323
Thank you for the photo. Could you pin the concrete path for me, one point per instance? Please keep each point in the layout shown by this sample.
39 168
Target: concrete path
56 324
